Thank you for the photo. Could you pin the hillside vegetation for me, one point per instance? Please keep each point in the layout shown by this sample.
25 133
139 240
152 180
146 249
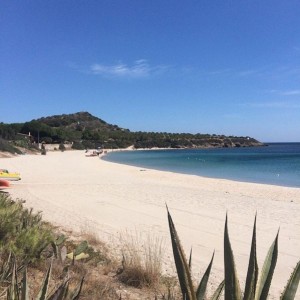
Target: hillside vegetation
84 130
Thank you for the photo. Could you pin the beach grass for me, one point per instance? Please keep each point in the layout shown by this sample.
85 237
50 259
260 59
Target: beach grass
142 259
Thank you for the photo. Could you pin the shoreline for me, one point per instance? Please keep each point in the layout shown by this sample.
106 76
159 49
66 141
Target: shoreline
108 151
77 193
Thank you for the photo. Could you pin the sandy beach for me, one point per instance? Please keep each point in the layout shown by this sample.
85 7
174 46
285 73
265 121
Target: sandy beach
80 193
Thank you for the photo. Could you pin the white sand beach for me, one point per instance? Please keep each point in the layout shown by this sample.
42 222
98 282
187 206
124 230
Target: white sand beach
80 192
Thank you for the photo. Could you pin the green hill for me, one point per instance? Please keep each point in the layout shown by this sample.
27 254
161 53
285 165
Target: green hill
84 130
78 121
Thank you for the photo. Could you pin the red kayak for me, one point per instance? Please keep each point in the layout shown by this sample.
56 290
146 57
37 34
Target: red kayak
3 184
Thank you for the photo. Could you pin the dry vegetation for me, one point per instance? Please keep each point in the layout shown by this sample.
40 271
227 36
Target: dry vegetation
141 260
134 274
35 252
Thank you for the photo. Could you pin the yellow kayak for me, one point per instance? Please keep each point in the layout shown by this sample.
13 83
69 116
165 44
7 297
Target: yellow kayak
4 174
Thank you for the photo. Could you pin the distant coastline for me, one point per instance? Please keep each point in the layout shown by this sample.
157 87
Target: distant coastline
82 130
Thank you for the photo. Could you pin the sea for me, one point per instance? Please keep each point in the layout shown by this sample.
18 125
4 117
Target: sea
275 164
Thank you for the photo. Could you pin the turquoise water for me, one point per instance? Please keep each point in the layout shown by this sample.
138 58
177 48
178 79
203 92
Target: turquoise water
277 164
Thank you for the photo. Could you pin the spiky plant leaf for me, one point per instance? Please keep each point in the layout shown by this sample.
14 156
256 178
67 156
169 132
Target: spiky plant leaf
77 292
201 291
65 272
24 286
61 292
267 271
55 249
6 268
190 260
217 294
44 288
57 244
252 273
292 285
182 267
232 286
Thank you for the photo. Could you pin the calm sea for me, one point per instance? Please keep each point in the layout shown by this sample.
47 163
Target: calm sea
277 164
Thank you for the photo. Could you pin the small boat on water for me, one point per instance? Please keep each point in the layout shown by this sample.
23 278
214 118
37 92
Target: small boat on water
4 174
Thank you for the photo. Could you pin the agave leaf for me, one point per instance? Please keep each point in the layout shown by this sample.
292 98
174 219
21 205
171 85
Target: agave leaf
292 285
218 291
60 292
76 294
6 268
182 268
201 291
24 287
55 249
232 286
190 260
65 272
56 245
252 273
44 288
16 289
267 271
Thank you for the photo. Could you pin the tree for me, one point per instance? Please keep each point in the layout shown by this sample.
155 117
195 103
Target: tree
61 147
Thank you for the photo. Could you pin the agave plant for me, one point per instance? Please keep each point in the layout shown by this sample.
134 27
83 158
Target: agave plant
20 291
183 270
256 288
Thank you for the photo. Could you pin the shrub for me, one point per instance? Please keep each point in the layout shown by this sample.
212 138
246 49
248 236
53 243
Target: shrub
78 146
142 260
21 231
23 143
88 145
23 234
61 147
7 147
43 149
47 140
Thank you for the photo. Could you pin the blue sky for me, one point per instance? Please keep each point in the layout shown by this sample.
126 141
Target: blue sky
223 67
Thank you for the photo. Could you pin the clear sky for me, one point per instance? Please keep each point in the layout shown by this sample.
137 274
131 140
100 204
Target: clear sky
226 67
